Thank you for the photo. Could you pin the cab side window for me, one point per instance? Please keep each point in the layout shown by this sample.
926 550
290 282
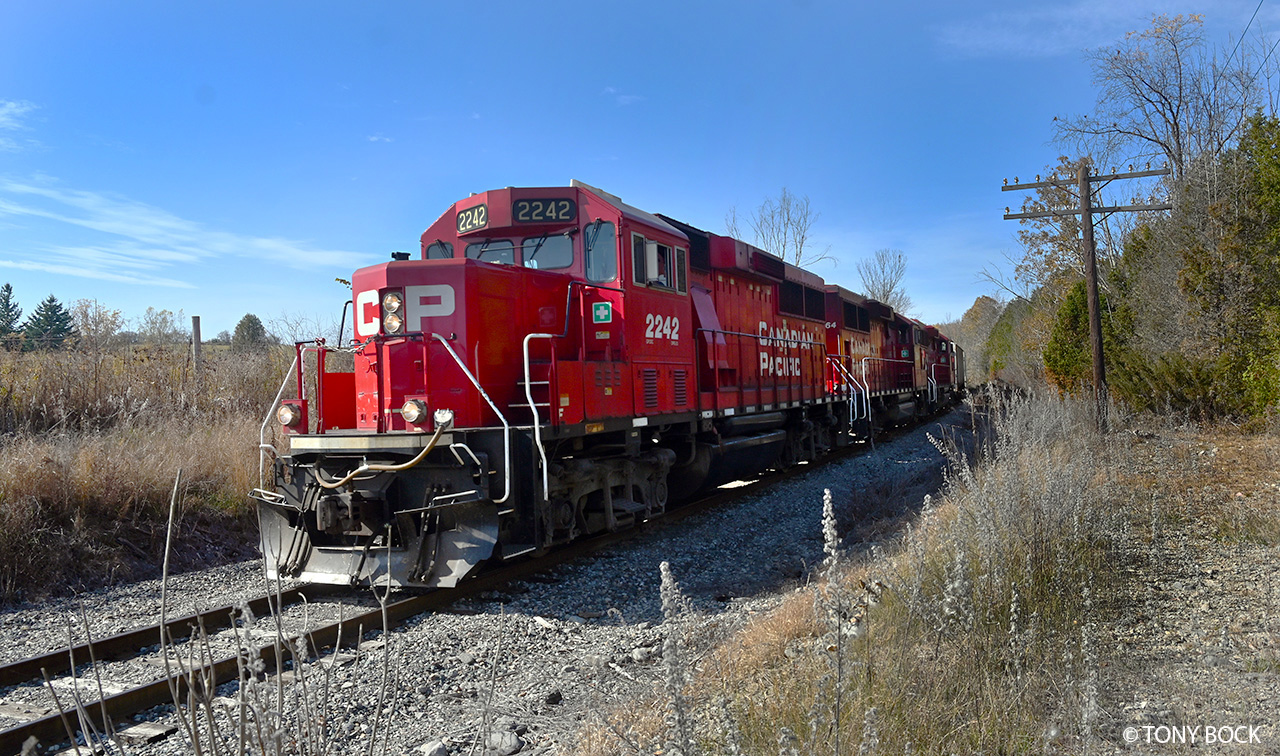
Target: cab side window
601 243
658 265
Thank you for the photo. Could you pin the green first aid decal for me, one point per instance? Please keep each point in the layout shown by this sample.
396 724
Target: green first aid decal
601 312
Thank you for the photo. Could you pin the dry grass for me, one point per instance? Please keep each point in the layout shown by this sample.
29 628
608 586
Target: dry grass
91 443
78 391
974 633
1222 480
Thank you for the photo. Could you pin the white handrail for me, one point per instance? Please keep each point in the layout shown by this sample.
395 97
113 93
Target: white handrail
506 427
866 391
933 382
537 421
262 432
867 380
850 380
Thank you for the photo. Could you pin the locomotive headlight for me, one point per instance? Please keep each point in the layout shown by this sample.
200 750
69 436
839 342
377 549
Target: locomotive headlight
391 323
414 411
289 415
392 301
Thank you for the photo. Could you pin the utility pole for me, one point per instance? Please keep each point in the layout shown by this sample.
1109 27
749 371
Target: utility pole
1084 191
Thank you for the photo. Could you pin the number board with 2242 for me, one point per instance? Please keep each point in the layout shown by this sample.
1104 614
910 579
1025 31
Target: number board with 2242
544 211
473 218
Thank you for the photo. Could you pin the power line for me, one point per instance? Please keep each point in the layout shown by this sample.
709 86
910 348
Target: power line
1086 211
1264 60
1246 30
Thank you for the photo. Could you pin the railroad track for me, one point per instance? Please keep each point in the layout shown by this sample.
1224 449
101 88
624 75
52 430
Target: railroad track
54 724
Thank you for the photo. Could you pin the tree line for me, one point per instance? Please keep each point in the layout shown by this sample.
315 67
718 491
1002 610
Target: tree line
88 324
1191 296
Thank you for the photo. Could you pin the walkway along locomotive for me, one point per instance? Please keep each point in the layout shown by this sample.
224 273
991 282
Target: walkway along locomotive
558 363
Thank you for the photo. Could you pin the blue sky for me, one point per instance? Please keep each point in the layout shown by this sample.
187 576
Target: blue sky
234 157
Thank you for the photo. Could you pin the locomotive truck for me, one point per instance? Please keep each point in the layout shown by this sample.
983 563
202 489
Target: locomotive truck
556 363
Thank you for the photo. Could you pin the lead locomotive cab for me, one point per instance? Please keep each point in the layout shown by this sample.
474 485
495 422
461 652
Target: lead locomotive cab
557 363
494 400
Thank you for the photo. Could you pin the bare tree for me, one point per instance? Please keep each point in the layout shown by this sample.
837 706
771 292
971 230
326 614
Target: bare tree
882 276
1162 93
782 226
292 327
99 326
731 225
162 327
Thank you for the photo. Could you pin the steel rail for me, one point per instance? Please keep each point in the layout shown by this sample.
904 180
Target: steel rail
125 644
51 729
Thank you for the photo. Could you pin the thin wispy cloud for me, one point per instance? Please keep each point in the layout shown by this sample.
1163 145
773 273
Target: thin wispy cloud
1040 31
620 99
12 116
77 270
380 138
132 242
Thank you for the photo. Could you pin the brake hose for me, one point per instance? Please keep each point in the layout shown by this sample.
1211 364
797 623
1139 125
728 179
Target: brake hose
435 437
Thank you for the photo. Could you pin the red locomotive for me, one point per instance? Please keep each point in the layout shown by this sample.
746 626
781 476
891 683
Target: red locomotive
559 363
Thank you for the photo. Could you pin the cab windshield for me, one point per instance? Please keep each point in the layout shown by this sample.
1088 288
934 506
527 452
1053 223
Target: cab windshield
493 250
547 252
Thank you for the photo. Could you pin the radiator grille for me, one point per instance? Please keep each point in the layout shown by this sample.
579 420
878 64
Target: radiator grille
681 381
650 377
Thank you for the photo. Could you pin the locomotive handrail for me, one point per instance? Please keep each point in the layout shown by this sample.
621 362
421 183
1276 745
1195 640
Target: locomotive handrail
262 432
775 342
933 366
582 316
865 360
528 377
850 379
528 393
506 427
756 336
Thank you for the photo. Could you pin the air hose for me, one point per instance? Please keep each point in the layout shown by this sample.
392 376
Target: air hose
435 437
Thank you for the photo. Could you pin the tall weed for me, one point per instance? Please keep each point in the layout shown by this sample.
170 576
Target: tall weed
972 632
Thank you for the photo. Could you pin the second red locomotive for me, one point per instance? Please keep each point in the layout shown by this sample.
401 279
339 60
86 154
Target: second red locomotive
558 363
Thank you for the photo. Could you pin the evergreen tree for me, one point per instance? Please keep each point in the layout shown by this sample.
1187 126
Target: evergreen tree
10 318
1068 355
250 334
49 326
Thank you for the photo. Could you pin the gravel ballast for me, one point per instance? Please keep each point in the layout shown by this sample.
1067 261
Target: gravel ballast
519 670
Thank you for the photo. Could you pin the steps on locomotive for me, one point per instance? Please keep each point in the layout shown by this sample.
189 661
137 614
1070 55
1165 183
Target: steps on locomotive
625 514
513 550
539 386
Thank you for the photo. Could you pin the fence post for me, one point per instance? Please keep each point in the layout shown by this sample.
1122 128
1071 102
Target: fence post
195 343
